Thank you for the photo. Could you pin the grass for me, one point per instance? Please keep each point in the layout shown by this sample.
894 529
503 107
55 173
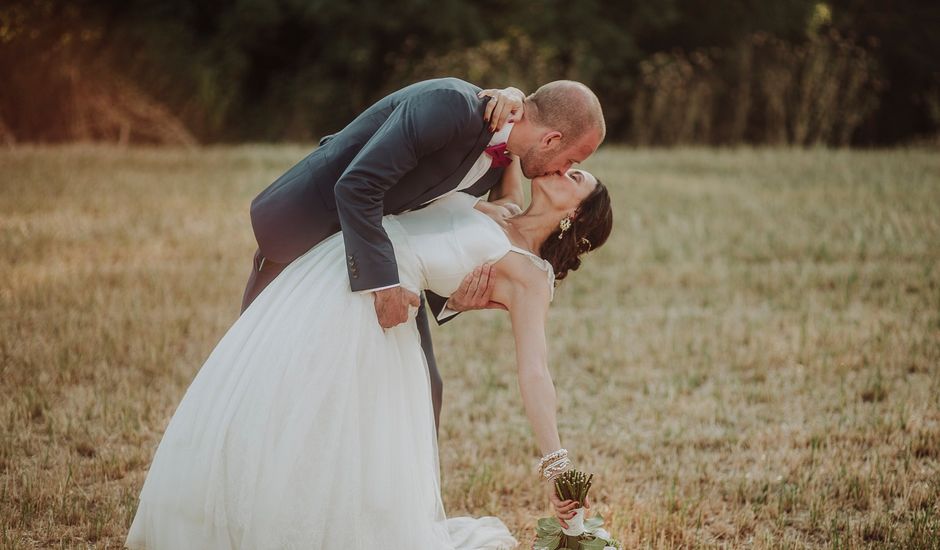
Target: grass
752 361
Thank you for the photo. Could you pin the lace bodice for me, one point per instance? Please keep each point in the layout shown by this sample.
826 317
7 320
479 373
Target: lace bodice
450 238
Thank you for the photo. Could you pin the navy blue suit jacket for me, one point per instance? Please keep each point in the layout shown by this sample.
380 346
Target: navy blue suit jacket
408 148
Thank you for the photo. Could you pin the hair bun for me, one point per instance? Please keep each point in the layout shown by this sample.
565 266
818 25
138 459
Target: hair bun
588 231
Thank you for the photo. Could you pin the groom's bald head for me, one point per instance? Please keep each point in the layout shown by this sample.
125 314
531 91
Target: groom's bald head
562 125
568 107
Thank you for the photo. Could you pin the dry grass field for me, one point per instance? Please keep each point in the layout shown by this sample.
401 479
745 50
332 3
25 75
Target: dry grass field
752 361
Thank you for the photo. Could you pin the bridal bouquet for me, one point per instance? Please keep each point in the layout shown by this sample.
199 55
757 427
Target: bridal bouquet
581 534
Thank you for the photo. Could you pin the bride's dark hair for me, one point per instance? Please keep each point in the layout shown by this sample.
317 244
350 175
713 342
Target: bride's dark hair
589 229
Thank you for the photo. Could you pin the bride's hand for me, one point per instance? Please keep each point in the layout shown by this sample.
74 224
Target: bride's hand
565 509
504 103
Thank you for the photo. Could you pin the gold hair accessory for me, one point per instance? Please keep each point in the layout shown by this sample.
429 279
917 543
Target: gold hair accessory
586 242
565 225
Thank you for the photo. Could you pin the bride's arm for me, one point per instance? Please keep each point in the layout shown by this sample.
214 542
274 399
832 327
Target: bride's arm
524 289
528 312
509 189
506 103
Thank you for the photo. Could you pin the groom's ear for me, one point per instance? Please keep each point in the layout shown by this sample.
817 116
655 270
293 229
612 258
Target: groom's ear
551 139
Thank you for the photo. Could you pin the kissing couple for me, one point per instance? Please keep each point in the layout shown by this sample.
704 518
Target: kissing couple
312 424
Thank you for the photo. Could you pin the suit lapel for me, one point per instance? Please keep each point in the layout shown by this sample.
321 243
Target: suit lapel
452 181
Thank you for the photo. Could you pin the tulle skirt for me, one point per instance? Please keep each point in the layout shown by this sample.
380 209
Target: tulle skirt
307 427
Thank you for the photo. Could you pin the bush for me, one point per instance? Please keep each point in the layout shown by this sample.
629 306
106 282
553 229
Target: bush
765 90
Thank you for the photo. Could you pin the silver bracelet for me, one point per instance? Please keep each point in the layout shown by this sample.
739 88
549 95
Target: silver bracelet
556 468
551 457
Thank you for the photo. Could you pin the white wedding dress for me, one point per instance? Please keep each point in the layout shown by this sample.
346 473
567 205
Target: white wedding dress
309 426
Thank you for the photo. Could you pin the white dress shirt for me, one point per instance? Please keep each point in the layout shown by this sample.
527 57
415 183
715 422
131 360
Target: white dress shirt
482 164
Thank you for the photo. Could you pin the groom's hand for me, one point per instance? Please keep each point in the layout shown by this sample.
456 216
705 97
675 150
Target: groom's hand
475 291
391 305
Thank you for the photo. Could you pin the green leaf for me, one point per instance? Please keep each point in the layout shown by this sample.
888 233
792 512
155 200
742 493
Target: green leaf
548 526
595 544
594 523
550 542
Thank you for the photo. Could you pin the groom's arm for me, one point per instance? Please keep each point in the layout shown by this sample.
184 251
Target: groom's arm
416 127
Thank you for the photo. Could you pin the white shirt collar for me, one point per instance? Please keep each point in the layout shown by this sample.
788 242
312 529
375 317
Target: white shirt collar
502 136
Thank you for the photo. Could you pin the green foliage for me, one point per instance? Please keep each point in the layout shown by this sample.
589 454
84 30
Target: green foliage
297 69
764 90
549 536
595 544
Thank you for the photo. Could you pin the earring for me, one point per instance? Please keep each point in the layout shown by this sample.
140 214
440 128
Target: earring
564 225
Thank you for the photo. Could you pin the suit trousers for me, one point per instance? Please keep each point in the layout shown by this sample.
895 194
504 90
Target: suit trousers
263 271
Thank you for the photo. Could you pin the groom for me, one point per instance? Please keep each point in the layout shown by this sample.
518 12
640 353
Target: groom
405 151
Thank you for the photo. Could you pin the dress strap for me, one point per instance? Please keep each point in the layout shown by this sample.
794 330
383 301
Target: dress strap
525 252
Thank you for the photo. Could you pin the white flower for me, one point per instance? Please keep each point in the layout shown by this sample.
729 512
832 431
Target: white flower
610 548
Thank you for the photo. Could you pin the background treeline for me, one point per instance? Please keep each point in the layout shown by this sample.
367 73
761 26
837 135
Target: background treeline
863 72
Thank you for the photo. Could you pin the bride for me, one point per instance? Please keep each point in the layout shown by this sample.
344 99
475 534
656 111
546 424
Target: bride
309 426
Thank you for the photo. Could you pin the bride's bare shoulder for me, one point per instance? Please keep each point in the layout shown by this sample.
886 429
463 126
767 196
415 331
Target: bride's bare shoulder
522 279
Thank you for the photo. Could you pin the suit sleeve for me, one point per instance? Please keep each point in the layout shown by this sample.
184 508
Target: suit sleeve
415 128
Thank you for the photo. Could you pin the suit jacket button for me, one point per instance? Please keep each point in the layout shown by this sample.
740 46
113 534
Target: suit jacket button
355 276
